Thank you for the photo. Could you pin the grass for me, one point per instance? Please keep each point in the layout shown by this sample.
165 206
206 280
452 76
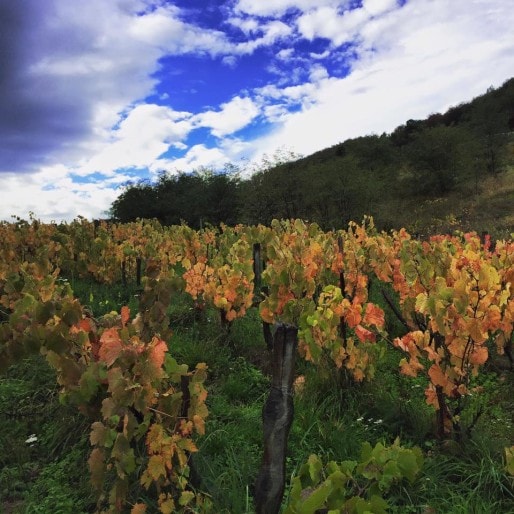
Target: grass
43 445
333 417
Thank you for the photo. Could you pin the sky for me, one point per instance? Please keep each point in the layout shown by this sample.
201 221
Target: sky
99 93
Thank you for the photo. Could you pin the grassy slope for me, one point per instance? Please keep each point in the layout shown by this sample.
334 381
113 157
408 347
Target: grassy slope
486 206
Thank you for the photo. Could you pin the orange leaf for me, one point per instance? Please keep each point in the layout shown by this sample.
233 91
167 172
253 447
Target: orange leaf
374 315
157 352
437 376
125 315
353 315
410 368
479 355
111 346
231 315
267 315
199 423
431 397
138 508
476 331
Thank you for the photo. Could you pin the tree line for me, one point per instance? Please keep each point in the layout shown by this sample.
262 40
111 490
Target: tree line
419 163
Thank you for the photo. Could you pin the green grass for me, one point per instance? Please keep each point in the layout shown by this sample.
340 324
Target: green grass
43 445
333 417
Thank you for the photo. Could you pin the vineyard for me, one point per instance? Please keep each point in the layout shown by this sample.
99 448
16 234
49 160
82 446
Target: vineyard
382 365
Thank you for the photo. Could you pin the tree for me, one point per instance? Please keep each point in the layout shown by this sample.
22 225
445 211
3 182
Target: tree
438 158
136 201
490 123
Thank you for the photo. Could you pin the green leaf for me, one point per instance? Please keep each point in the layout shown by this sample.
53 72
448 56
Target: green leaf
124 455
89 384
316 499
44 312
315 468
509 460
378 505
173 368
408 464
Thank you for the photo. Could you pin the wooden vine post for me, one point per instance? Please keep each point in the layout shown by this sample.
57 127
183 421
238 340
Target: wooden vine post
277 416
258 268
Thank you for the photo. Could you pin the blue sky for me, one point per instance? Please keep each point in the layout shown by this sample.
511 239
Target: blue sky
96 93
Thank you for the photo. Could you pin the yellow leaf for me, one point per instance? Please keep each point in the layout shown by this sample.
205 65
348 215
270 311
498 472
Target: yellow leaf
166 504
487 278
156 468
422 303
186 498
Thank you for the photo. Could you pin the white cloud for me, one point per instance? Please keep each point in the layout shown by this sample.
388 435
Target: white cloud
198 156
271 32
326 22
280 7
246 25
231 117
376 7
52 196
163 28
230 150
230 61
285 54
143 135
317 73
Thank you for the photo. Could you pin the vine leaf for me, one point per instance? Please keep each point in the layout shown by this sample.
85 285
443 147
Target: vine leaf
111 346
157 353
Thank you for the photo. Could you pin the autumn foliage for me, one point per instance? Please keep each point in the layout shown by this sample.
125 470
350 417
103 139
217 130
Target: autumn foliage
455 297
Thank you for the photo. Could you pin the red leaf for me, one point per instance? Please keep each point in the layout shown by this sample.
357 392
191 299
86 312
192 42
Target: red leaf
364 334
84 325
111 346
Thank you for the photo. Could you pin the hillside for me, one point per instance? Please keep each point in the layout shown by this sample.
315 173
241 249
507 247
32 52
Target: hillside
451 171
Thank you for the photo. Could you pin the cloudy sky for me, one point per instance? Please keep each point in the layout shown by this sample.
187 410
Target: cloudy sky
94 94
